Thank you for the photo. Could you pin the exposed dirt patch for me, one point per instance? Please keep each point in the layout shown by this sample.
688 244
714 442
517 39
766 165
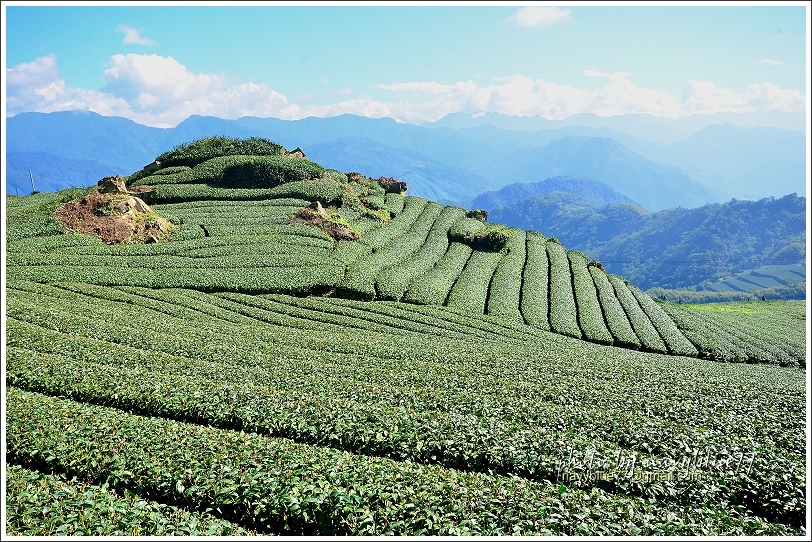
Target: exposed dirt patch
114 217
316 216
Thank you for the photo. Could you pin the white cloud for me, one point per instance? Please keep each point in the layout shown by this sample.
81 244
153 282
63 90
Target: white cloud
131 74
770 62
31 74
131 35
160 91
539 17
704 97
149 89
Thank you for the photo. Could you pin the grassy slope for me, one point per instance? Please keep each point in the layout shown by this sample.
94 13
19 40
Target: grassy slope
312 415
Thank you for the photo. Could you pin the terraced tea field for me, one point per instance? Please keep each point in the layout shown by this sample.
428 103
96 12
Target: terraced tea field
250 375
766 277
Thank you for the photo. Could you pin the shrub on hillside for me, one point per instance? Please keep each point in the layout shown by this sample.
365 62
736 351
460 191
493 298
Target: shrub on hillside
198 151
478 236
266 171
479 214
493 238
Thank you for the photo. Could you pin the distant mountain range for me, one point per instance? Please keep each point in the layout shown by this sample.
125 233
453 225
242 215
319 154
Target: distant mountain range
588 191
656 162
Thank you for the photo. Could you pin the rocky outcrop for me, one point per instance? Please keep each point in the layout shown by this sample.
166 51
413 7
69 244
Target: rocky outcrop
114 214
112 185
390 184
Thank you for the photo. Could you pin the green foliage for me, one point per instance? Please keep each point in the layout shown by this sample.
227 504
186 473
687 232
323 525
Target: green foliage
399 225
535 281
639 320
674 339
172 170
182 379
33 216
393 282
616 318
336 175
465 229
240 172
470 291
675 249
360 279
198 151
590 314
75 508
394 203
479 214
433 287
275 388
563 311
494 237
794 290
746 331
505 291
474 232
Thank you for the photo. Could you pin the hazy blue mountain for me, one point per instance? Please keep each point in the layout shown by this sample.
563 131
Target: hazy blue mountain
745 163
591 192
425 178
83 135
52 172
642 126
653 185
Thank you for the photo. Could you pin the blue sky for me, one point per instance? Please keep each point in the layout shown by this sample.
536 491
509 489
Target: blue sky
158 64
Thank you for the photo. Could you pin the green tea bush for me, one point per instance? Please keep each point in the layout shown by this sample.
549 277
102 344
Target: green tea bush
713 341
465 229
535 282
677 343
267 171
241 172
643 328
479 214
294 489
494 237
349 252
394 203
360 279
194 152
392 283
590 315
475 233
324 190
470 291
399 225
73 508
563 310
506 287
171 170
336 175
616 318
433 287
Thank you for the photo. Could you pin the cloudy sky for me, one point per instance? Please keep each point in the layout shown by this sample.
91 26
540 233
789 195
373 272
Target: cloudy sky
157 64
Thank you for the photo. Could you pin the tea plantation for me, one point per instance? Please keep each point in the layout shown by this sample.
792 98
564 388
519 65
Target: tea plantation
421 372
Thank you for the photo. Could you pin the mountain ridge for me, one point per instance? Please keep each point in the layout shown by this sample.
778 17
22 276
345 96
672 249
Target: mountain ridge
484 151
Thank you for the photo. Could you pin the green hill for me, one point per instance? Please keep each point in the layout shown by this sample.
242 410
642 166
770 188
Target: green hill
377 363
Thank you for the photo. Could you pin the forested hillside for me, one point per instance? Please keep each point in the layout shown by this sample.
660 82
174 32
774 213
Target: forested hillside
675 248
